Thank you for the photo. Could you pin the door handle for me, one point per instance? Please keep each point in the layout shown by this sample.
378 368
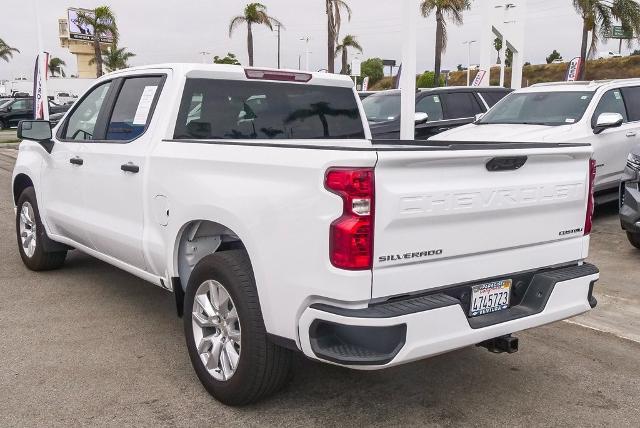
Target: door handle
130 167
76 161
631 134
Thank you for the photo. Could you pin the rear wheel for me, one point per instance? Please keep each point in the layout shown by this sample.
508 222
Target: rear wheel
225 332
32 237
634 238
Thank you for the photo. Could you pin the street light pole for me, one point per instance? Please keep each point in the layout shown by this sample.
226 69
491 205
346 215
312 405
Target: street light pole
279 45
469 43
306 51
204 56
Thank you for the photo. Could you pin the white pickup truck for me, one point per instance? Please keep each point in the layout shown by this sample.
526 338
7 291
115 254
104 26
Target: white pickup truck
260 200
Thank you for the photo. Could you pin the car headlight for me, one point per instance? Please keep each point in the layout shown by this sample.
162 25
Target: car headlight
633 162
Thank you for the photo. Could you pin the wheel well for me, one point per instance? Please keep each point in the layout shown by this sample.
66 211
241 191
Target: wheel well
199 239
21 182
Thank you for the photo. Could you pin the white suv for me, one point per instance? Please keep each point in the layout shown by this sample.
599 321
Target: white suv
605 114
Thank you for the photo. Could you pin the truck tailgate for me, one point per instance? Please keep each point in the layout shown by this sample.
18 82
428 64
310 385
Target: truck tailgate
452 215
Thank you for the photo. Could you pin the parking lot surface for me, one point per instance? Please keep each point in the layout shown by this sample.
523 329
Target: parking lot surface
92 345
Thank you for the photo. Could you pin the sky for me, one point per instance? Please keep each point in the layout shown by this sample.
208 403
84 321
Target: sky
178 30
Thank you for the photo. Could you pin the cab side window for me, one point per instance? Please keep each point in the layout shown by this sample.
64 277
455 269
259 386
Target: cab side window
22 105
432 106
133 108
459 105
632 102
82 123
611 102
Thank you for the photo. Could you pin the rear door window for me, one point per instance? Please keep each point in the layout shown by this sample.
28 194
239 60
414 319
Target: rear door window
431 105
221 109
459 105
492 97
632 100
611 102
134 107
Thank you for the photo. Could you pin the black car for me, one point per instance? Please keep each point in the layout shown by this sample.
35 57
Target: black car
437 110
13 110
630 198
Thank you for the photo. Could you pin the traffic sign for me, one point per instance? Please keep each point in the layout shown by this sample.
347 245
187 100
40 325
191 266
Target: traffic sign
619 32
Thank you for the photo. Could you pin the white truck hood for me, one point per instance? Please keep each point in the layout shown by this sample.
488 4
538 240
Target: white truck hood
508 133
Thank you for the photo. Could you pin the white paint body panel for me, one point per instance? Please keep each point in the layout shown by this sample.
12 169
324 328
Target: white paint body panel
273 198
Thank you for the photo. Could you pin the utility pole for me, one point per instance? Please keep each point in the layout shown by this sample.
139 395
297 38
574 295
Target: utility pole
469 42
306 39
279 45
204 56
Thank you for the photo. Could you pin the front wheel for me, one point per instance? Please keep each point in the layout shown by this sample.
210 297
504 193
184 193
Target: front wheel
32 236
225 332
634 239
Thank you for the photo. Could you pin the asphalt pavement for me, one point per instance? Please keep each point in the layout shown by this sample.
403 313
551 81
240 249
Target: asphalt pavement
92 345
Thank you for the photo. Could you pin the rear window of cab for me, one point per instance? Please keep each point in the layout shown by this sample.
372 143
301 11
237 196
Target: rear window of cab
259 110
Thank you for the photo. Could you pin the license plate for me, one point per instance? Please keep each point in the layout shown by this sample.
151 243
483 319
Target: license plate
490 297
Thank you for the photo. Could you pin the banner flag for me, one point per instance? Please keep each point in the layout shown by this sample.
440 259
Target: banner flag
40 99
574 69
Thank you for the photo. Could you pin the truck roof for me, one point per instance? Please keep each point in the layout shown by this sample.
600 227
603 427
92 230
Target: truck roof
214 71
580 86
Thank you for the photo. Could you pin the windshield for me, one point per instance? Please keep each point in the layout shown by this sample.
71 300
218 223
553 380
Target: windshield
539 108
380 108
4 102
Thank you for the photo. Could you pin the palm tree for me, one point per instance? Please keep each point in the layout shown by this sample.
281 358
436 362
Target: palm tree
334 22
103 22
55 67
115 58
349 41
598 17
6 51
254 13
497 45
452 9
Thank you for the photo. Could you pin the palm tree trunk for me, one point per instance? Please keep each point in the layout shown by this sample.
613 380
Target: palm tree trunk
98 53
439 47
345 60
583 49
331 38
250 43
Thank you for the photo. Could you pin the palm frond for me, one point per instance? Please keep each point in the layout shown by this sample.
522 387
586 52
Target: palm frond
235 22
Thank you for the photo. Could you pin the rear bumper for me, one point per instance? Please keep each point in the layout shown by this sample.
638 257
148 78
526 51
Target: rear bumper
402 331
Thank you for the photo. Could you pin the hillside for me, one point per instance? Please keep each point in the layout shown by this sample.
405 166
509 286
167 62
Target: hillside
614 68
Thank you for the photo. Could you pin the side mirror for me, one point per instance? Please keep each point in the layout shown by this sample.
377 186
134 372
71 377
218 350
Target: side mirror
38 131
479 116
421 118
608 120
9 108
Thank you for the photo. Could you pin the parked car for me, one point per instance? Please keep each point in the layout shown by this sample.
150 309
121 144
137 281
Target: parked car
605 114
437 110
630 198
608 55
17 109
261 219
366 94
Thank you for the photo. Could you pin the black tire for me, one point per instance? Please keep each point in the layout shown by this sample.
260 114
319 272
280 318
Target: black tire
634 238
263 367
41 259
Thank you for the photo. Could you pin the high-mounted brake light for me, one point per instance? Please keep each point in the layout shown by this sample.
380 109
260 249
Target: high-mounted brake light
588 223
283 76
351 235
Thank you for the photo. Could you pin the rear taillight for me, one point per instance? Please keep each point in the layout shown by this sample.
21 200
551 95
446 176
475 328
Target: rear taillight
588 223
351 235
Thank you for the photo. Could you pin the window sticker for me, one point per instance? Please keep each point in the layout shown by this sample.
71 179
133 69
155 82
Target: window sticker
570 120
617 95
584 97
436 99
144 106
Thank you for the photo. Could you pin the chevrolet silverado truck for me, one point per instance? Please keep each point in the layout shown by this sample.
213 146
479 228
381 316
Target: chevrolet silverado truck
259 198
